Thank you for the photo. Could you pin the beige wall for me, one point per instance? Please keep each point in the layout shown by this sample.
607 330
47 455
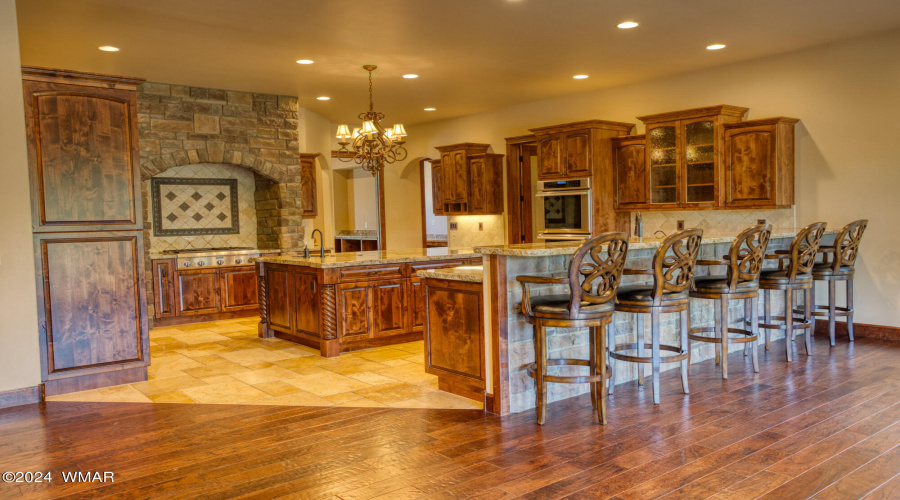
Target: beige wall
315 137
19 358
846 96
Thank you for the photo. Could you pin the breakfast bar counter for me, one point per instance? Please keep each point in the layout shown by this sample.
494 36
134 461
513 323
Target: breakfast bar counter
510 338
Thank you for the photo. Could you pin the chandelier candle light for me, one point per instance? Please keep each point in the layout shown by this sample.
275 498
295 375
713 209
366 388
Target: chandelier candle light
372 144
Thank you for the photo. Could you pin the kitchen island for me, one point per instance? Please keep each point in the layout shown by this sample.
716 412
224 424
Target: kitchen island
349 301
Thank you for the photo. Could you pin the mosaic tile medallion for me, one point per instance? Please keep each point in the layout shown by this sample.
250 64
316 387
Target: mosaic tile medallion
194 206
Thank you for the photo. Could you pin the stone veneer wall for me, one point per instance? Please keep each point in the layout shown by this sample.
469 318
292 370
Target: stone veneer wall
573 343
181 125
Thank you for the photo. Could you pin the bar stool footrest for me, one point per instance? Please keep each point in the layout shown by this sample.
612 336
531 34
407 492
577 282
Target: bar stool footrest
681 355
745 335
531 369
799 324
822 311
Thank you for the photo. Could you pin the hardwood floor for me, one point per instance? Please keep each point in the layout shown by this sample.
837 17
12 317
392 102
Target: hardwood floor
826 426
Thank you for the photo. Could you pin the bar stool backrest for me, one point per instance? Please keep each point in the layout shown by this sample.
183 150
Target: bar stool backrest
803 250
747 254
846 244
674 263
596 270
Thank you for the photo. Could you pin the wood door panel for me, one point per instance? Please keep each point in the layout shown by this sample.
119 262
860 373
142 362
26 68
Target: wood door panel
631 175
751 167
307 304
163 288
549 161
197 291
238 288
279 292
448 179
92 301
476 185
416 303
390 307
460 172
354 304
308 197
578 154
84 158
437 183
455 331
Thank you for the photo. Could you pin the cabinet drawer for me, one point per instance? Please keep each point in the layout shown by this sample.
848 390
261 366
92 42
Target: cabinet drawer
362 273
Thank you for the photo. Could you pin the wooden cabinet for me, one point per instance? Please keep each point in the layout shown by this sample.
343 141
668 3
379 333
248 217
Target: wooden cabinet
684 151
582 150
92 309
706 158
454 339
197 292
471 180
630 171
238 288
163 272
81 135
345 309
759 163
437 182
308 195
202 294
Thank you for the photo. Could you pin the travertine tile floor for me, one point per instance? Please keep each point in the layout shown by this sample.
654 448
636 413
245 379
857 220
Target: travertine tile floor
225 362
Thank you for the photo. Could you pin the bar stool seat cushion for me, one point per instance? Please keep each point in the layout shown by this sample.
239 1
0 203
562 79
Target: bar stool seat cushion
642 295
719 284
827 269
557 307
779 277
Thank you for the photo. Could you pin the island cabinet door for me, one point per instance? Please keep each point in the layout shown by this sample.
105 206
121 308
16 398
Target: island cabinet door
197 292
416 302
354 307
239 289
390 307
306 291
279 293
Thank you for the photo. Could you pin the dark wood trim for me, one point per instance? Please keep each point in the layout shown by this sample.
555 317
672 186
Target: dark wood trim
95 381
382 223
499 356
202 318
24 396
342 154
422 168
721 109
80 77
860 330
518 184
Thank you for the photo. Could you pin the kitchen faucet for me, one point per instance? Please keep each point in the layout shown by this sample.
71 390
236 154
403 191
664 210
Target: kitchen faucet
321 245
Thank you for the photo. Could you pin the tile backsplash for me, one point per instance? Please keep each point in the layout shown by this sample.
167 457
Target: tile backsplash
718 221
467 233
246 209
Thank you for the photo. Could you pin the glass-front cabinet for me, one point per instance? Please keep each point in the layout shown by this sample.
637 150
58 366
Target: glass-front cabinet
684 156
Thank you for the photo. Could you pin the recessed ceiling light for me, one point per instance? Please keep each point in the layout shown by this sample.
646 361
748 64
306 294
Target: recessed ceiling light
323 98
715 46
627 25
304 61
410 76
108 48
429 109
580 77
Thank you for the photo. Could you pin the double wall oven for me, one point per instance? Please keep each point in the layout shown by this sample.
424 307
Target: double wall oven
562 210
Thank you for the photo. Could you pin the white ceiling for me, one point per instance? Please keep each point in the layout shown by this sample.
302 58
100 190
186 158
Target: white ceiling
471 55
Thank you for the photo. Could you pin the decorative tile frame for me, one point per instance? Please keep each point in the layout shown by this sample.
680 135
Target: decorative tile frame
156 186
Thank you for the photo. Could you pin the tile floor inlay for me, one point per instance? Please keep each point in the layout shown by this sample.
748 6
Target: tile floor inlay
224 362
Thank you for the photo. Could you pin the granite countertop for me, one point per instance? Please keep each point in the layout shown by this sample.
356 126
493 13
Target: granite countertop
346 259
569 247
472 274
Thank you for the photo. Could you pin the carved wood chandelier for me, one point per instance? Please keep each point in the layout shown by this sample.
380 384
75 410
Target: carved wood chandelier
372 144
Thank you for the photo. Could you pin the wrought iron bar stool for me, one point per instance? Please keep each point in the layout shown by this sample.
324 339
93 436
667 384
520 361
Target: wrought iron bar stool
594 276
840 267
796 276
673 272
741 282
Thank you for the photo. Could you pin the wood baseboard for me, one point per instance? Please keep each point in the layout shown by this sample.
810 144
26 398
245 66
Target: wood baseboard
95 381
203 318
860 330
19 397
